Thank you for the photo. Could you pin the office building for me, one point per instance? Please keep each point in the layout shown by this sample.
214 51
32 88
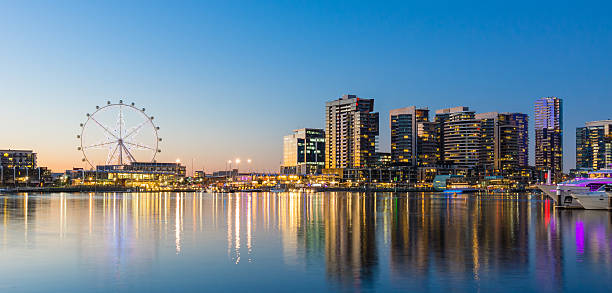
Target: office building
304 152
351 132
594 145
549 136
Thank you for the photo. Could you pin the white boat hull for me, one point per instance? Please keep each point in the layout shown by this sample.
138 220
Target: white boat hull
594 200
563 196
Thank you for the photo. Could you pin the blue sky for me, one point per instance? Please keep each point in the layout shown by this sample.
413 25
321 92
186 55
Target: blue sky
229 79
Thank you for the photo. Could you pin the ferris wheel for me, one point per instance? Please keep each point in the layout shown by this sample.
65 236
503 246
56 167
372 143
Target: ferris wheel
118 134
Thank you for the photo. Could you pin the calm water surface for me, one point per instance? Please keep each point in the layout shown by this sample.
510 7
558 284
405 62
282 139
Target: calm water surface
193 242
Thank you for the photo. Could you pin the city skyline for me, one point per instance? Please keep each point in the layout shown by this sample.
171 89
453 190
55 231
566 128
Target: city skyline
216 102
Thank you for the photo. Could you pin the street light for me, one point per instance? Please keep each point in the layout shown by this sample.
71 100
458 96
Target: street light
238 164
250 171
178 162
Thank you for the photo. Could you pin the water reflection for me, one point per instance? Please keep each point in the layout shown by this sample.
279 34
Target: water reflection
423 242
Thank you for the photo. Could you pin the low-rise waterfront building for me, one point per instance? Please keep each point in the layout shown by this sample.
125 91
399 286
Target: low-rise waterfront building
25 176
20 168
17 158
144 175
396 176
225 173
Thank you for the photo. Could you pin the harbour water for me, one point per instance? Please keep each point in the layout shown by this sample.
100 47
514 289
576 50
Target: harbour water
305 242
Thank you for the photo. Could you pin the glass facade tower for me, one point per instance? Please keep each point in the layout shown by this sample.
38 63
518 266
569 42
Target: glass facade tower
304 151
549 135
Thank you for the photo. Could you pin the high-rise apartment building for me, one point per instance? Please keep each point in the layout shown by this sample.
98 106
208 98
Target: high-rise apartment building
427 145
594 145
413 137
403 126
488 149
304 151
504 141
351 131
458 136
521 121
549 135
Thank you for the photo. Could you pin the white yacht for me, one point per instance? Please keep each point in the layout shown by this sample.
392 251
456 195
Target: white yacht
600 199
562 192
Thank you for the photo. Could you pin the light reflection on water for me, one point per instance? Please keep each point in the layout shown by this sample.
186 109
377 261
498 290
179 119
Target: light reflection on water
162 242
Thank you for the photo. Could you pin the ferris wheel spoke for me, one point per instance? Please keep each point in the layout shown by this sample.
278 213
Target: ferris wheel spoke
99 144
103 127
139 145
110 159
121 122
133 131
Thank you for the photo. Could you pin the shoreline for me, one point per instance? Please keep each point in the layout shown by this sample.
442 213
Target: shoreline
119 189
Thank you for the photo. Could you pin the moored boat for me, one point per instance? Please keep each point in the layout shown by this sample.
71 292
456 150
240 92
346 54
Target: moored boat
600 199
561 193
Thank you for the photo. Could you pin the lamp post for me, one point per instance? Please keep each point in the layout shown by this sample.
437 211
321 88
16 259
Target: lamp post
249 169
238 164
178 163
229 170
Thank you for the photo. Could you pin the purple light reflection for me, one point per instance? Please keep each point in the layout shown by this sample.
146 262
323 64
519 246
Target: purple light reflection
579 239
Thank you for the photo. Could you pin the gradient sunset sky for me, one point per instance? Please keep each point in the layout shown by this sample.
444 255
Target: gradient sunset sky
229 79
